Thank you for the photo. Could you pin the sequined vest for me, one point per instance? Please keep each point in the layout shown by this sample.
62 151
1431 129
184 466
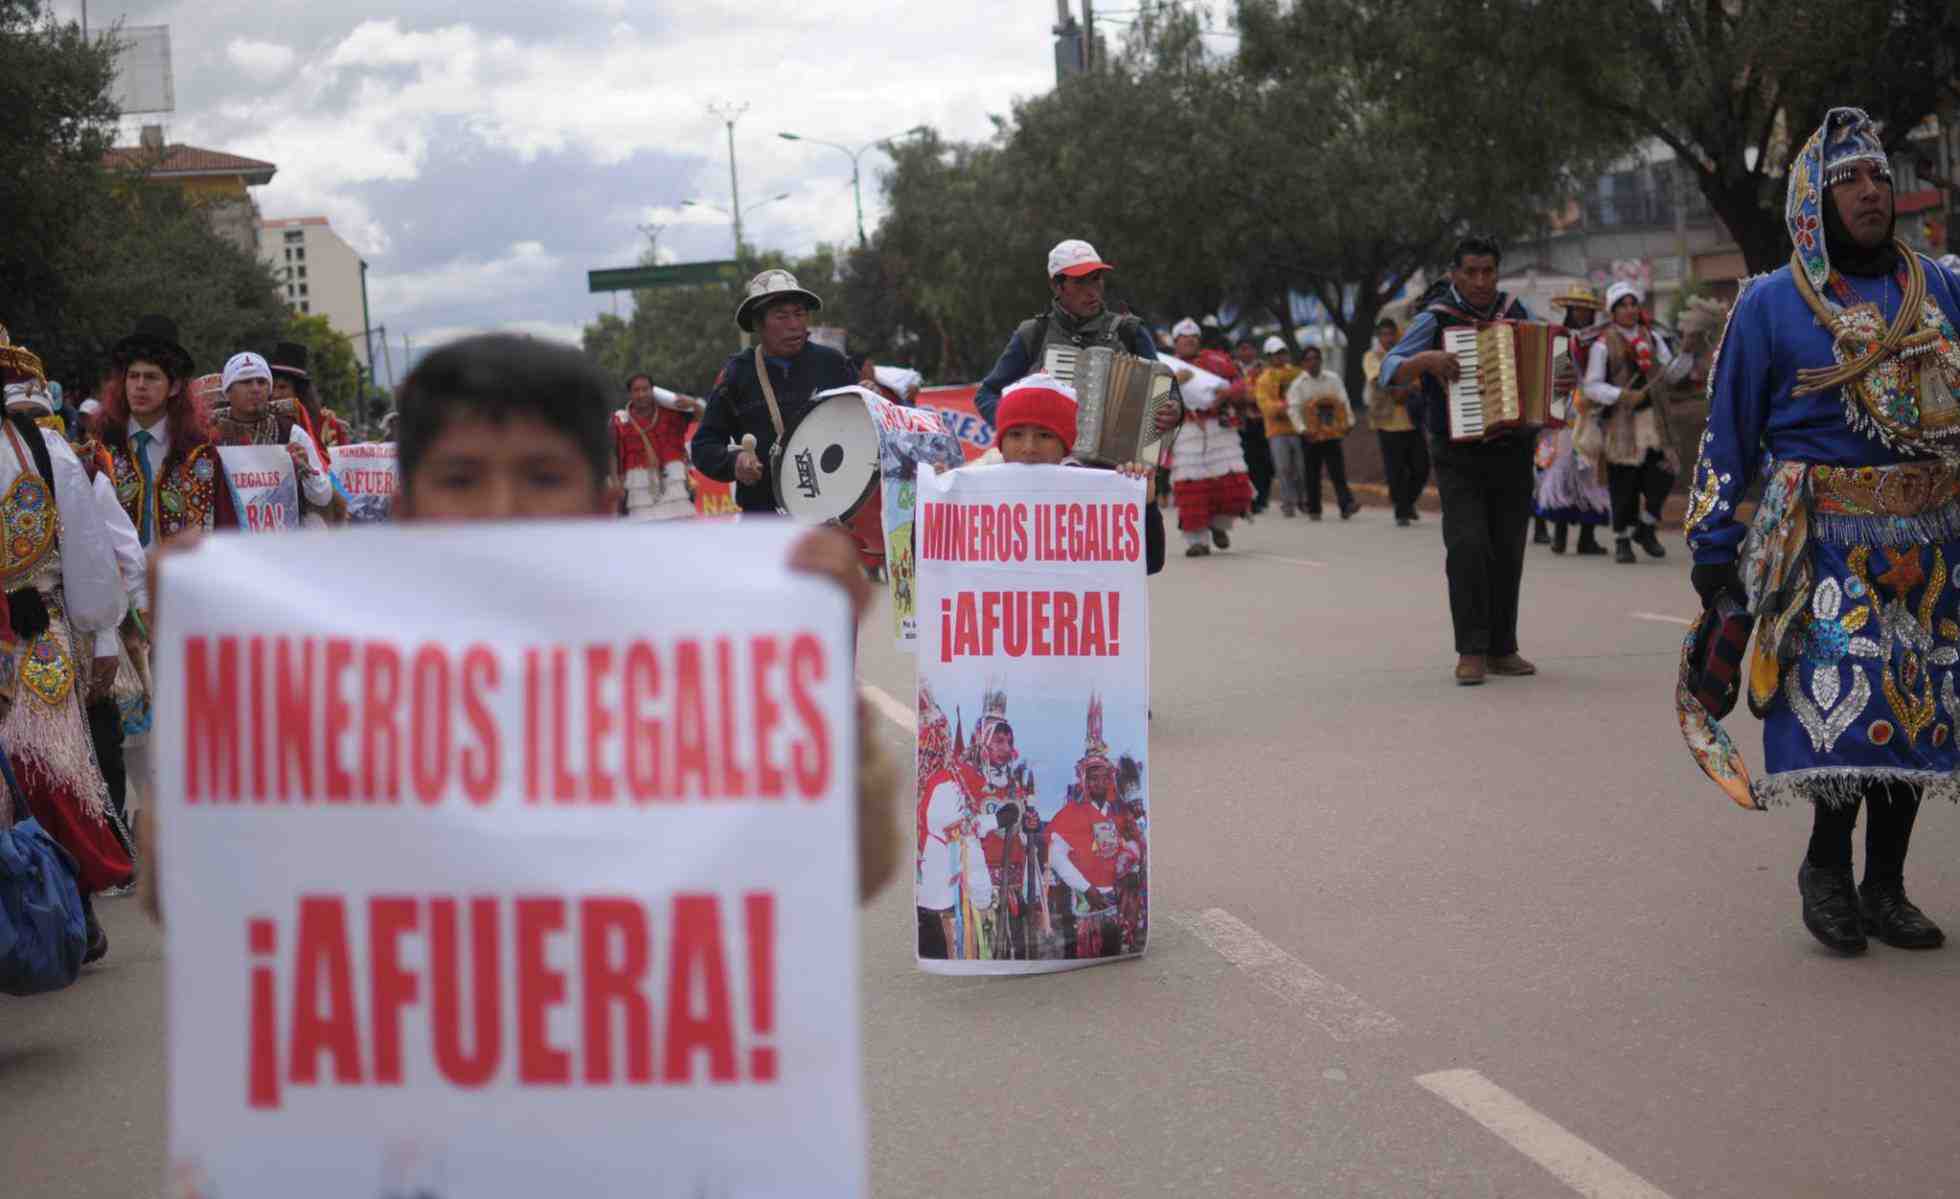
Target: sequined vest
184 494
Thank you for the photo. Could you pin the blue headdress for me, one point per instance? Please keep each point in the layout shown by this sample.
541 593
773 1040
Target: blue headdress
1845 139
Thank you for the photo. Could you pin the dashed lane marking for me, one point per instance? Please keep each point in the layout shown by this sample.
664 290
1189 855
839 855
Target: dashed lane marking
1569 1159
1341 1013
1660 618
899 714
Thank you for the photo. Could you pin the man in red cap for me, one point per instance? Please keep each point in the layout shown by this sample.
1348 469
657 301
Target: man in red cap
1076 316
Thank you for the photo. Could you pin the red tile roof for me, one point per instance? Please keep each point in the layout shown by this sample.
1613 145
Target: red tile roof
179 159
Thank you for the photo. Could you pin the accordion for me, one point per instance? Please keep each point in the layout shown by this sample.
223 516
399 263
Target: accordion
1506 379
1117 399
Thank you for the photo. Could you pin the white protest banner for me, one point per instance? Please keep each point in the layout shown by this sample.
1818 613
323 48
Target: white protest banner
369 476
907 439
480 880
264 489
1032 822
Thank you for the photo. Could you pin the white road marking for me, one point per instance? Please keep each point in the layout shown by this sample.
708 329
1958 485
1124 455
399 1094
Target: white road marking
1261 554
1569 1159
899 714
1344 1015
1658 618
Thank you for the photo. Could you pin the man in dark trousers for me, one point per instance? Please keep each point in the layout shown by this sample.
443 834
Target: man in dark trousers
1485 485
777 310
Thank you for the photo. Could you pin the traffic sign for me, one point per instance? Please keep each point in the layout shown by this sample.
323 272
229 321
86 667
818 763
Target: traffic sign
672 274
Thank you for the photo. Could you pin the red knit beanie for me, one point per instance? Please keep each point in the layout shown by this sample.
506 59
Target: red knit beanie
1042 401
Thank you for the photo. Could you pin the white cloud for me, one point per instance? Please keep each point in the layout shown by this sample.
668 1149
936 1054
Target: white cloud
354 103
505 278
265 62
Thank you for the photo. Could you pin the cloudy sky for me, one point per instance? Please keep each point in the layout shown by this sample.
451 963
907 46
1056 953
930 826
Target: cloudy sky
483 163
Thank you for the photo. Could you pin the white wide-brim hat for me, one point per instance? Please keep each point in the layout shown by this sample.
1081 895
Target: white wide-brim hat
771 285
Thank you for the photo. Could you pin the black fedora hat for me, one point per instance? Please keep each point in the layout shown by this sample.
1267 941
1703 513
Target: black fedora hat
288 358
154 333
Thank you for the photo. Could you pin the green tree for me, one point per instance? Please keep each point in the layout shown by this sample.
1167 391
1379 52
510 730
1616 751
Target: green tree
330 360
142 247
54 90
1732 87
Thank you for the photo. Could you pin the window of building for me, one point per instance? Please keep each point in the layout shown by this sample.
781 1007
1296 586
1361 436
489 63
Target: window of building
302 272
295 235
289 291
302 289
299 255
305 307
289 253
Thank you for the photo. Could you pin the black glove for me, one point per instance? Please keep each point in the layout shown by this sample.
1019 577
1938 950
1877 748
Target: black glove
1712 580
27 612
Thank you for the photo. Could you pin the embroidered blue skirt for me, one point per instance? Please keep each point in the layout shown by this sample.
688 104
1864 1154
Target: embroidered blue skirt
1865 637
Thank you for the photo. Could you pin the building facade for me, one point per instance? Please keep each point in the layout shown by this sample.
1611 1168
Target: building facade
318 273
219 184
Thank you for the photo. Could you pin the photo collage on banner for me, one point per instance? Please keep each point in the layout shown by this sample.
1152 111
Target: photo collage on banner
1032 804
907 439
573 897
264 487
368 476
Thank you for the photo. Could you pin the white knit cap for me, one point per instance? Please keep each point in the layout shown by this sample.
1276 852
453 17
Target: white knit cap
1620 291
246 365
1274 345
1186 328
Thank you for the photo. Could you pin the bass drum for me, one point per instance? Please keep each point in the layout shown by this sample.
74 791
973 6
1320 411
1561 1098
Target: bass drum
826 472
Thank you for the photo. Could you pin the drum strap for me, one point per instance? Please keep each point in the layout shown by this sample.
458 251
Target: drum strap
769 394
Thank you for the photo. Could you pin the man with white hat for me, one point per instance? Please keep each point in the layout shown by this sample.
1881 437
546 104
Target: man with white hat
1289 453
765 391
1624 369
248 416
1077 317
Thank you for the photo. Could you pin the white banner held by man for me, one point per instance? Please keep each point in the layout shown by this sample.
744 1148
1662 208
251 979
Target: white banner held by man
264 487
369 474
1033 719
478 883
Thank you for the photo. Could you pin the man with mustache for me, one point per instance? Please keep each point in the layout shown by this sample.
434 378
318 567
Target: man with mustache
1843 366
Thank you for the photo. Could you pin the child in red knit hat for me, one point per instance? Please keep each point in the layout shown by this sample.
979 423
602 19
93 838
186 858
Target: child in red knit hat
1036 426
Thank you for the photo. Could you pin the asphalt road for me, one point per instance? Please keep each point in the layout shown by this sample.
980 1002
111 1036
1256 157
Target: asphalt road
1410 939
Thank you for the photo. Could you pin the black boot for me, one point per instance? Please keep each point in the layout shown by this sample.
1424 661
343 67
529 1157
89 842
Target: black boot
1589 542
1896 920
1623 551
1559 530
98 941
1830 907
1538 534
1648 538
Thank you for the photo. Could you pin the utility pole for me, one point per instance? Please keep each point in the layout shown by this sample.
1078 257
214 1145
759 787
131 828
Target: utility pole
730 113
1088 35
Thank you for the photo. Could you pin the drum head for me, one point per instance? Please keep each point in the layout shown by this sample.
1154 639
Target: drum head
829 461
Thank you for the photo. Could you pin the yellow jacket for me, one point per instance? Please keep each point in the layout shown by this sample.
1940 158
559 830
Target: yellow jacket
1269 392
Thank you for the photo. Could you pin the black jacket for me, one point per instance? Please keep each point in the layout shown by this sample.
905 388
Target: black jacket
735 406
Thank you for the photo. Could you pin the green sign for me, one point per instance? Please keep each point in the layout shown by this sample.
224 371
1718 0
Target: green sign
673 274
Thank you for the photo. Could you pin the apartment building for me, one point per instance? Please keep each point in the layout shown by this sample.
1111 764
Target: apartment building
318 273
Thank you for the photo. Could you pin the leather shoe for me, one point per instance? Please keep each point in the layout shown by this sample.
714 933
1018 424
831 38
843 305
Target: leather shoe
1197 551
1623 552
1650 541
1896 920
1220 539
1470 670
1830 907
1513 665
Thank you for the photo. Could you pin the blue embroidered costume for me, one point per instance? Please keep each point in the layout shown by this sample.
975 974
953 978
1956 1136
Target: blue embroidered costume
1838 392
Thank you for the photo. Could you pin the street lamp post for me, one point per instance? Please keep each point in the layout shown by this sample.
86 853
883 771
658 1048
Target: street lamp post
729 114
725 212
857 193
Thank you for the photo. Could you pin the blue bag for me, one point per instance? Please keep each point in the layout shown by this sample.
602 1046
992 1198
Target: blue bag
42 933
